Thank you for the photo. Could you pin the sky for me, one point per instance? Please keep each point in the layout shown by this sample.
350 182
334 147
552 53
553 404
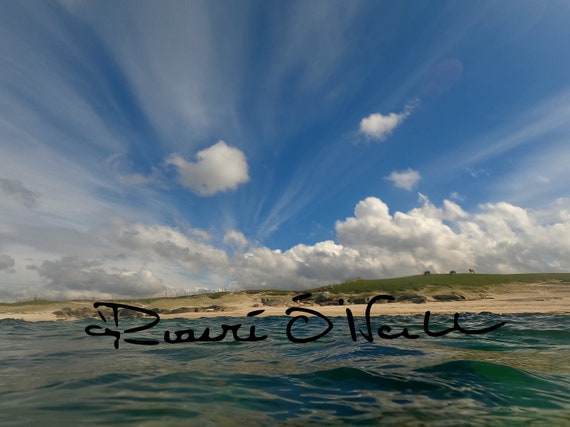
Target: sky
169 148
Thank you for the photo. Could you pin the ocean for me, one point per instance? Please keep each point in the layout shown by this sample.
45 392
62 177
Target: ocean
54 373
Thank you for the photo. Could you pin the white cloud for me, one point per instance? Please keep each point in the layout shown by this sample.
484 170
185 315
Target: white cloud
379 126
190 251
499 238
456 196
235 239
406 180
70 277
217 168
135 259
452 211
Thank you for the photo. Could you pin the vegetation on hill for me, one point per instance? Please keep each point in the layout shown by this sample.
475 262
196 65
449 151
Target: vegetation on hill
432 282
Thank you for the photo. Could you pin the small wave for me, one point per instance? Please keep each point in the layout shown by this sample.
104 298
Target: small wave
499 385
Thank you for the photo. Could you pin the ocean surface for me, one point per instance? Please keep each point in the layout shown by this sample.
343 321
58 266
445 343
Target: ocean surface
54 373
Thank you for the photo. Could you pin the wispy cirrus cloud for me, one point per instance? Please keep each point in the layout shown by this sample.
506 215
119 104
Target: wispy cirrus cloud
95 96
525 155
192 56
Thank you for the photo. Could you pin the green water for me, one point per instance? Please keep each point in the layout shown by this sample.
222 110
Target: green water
53 373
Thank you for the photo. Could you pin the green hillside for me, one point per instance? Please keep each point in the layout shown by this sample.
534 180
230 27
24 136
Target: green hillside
456 282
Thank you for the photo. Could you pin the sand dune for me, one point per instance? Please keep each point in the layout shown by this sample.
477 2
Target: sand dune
547 298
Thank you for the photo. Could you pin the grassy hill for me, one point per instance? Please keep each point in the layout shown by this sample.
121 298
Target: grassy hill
439 282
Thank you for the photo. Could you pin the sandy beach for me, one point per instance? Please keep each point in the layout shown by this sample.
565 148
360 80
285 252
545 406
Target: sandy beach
546 298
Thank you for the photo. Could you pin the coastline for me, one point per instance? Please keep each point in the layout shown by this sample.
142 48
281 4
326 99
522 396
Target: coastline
512 298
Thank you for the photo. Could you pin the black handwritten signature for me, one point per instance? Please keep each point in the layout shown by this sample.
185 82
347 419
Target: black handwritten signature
189 335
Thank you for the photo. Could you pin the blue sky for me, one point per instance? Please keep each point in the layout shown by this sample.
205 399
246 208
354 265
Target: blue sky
171 147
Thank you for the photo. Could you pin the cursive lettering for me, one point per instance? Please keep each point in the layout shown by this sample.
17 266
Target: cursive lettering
290 335
89 330
187 335
292 329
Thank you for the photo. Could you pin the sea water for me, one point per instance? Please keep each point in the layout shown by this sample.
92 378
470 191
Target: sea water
53 373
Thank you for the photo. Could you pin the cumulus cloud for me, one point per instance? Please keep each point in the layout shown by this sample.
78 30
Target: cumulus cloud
15 190
403 241
379 126
192 252
498 238
217 168
406 180
235 239
71 277
146 260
